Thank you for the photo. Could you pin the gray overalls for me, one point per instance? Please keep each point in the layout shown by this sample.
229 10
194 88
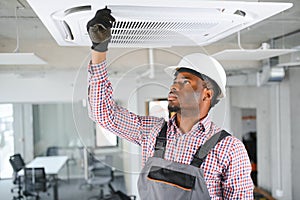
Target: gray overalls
168 180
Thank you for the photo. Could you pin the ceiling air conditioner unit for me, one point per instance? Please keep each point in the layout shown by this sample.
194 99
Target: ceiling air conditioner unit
155 23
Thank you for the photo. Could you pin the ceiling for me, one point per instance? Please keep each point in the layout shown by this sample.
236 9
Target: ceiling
34 37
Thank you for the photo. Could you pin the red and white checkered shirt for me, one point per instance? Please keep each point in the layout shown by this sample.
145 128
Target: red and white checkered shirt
226 168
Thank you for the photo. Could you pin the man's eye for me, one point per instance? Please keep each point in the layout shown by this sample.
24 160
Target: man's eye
186 81
181 82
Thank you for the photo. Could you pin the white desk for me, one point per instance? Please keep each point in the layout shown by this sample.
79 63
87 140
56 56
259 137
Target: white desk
52 165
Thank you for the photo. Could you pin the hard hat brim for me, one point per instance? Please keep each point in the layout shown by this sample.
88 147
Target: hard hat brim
171 70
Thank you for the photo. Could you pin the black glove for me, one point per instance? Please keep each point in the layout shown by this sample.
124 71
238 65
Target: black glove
99 29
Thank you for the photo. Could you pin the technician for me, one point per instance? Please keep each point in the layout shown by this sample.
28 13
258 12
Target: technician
187 157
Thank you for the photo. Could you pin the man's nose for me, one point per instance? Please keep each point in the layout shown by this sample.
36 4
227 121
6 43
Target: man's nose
174 87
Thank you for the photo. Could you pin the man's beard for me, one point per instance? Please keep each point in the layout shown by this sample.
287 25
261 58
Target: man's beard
173 108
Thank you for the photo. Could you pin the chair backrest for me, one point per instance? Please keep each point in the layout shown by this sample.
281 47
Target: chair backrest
103 171
100 167
35 179
17 162
52 151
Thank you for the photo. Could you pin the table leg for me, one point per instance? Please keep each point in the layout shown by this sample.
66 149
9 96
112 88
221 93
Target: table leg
68 171
55 187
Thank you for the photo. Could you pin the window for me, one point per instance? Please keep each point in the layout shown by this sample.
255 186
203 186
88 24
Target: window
6 139
105 138
158 108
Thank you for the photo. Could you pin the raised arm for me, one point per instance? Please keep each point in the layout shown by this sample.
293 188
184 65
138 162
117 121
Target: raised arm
102 107
98 57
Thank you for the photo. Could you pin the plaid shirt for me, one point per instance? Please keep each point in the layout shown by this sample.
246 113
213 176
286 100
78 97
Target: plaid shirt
226 168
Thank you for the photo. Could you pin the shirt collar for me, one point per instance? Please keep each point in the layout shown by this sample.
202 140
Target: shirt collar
206 122
203 126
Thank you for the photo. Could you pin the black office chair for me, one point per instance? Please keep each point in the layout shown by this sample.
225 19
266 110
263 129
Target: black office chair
17 164
35 182
52 151
100 175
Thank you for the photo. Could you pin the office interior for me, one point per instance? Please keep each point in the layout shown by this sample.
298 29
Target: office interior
43 106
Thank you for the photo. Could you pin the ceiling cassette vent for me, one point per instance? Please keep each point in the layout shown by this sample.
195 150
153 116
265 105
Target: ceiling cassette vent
144 23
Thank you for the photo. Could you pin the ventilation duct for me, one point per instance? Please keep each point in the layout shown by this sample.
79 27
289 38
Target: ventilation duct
144 23
292 60
270 74
266 76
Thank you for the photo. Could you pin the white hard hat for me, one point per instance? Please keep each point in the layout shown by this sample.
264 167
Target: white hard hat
203 64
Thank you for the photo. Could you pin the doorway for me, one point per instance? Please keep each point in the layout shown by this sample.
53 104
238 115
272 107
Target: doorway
249 138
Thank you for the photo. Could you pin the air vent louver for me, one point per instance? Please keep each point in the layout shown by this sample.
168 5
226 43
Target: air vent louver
154 23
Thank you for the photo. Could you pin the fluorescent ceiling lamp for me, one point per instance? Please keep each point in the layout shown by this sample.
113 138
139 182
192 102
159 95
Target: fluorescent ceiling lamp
250 54
155 23
20 59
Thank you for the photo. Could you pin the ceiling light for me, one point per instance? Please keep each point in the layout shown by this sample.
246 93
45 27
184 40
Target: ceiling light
17 58
241 54
250 54
20 59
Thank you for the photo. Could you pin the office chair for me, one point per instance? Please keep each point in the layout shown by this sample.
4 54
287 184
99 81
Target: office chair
35 182
101 175
17 164
52 151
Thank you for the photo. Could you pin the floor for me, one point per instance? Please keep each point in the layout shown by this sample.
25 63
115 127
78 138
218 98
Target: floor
75 189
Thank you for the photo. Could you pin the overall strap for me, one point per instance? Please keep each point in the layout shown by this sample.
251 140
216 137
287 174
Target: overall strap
161 142
203 150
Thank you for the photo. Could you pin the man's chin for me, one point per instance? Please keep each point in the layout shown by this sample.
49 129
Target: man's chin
173 108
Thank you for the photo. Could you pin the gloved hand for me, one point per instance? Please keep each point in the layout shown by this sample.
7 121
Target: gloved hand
99 29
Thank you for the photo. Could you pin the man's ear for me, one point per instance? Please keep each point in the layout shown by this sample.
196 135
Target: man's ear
207 94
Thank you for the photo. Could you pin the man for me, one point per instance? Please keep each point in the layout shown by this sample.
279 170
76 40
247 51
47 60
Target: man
188 157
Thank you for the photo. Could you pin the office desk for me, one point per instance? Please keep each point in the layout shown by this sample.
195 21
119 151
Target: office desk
52 165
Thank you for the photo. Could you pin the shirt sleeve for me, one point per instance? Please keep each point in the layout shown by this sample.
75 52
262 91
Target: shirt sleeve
237 182
104 111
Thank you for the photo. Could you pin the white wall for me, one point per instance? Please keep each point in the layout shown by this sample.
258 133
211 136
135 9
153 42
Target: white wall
47 87
294 74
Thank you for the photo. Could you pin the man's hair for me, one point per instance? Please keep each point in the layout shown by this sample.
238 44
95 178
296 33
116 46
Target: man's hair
212 85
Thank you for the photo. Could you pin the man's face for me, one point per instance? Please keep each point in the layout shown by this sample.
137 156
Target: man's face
186 94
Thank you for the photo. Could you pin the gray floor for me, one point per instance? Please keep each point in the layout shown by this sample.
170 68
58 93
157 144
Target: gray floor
76 189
